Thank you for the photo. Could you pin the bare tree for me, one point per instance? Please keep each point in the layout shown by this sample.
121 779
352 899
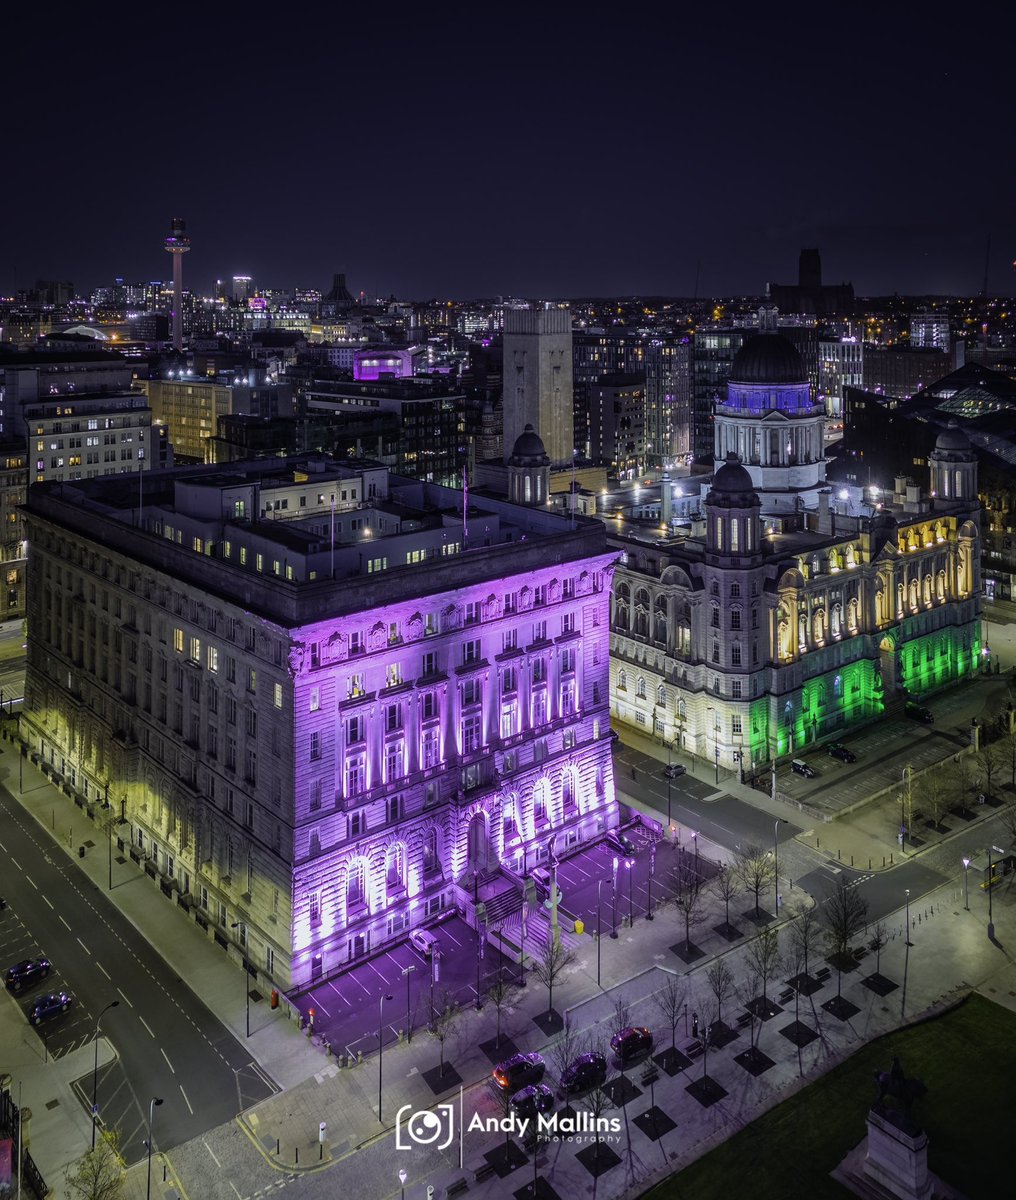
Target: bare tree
1008 815
985 765
566 1047
764 957
598 1101
805 935
622 1013
878 941
755 869
1007 754
935 795
502 993
846 915
554 959
797 963
747 993
691 904
101 1174
727 885
669 1001
446 1017
721 984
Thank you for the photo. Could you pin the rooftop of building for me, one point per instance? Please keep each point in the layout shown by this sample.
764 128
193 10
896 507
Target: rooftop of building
39 358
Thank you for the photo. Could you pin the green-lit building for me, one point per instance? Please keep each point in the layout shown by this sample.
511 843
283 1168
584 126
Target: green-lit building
784 614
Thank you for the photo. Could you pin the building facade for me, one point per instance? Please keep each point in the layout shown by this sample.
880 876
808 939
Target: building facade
755 637
13 488
538 379
318 697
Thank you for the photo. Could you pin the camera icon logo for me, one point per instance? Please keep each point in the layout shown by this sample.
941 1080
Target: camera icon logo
433 1128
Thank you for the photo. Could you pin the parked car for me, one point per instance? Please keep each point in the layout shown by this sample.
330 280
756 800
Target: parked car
917 712
631 1043
838 750
23 974
424 941
48 1006
519 1071
673 770
582 1073
620 842
800 767
531 1100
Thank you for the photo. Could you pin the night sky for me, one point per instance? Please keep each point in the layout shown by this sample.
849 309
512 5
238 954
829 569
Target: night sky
513 150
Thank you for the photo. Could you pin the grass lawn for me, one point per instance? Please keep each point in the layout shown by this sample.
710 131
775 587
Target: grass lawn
967 1059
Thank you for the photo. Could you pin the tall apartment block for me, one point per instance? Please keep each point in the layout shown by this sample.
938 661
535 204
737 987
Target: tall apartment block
320 700
538 379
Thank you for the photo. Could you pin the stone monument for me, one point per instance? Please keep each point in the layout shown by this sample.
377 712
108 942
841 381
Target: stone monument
897 1154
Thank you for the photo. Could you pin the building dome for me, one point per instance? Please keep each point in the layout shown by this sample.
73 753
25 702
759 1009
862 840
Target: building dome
732 478
530 445
952 438
768 358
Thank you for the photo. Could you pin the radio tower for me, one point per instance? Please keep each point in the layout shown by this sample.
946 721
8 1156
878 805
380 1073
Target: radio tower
177 244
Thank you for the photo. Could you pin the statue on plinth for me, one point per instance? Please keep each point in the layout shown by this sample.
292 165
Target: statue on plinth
894 1085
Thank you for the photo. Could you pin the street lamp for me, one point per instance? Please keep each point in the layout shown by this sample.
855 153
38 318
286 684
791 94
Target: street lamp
95 1069
243 968
628 864
966 881
380 1049
403 1176
694 838
407 972
599 927
613 902
479 959
156 1101
670 747
908 941
991 880
776 860
649 882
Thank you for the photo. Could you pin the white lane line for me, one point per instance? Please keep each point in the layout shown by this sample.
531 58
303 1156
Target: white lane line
146 1025
82 945
36 886
210 1151
318 1004
233 1186
103 970
186 1101
63 922
120 990
168 1063
4 848
15 862
49 902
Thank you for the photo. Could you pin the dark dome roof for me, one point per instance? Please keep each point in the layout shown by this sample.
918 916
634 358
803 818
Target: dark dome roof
768 358
732 478
952 438
529 444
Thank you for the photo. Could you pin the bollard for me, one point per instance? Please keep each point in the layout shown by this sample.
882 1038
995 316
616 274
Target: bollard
851 860
276 1145
890 860
817 843
838 856
869 864
297 1152
883 860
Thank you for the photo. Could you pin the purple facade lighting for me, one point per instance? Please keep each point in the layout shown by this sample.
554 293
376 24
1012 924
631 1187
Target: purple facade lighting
454 732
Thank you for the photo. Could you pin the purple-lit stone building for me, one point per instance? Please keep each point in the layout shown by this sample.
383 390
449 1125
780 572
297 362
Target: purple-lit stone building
322 702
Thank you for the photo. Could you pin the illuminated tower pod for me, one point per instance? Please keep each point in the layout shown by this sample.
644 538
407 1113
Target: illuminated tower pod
177 243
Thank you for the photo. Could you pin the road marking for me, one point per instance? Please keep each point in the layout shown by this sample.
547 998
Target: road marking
383 978
146 1025
16 863
186 1101
48 901
318 1004
121 993
63 922
36 886
211 1152
103 970
82 945
165 1056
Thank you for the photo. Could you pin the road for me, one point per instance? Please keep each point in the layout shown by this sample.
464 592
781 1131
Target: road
168 1043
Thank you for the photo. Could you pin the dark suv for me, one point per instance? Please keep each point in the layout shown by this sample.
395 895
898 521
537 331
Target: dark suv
620 842
631 1043
26 972
585 1072
917 712
519 1071
838 750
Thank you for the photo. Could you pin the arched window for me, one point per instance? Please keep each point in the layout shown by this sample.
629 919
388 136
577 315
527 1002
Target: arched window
913 593
837 621
927 590
818 625
510 818
541 798
837 686
622 680
940 586
660 620
661 695
853 609
569 791
356 893
851 558
682 709
395 867
640 688
642 613
802 631
430 856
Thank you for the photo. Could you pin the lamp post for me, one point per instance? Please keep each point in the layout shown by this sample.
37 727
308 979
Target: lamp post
908 941
966 881
479 959
649 882
407 972
670 747
599 927
776 861
243 967
403 1176
631 904
991 880
95 1069
613 902
694 838
156 1101
380 1049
